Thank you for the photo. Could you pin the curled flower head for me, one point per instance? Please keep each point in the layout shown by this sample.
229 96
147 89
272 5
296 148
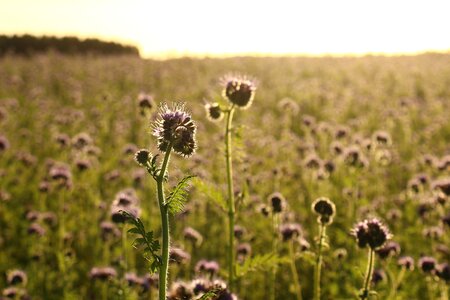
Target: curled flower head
142 157
239 90
213 111
193 235
291 231
443 271
372 233
209 266
391 248
102 273
325 209
406 262
175 128
17 277
179 256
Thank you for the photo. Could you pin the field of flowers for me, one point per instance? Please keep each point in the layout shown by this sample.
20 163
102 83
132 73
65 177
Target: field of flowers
333 175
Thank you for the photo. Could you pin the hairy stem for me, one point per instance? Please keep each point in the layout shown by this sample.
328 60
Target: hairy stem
368 278
298 289
318 268
164 226
231 208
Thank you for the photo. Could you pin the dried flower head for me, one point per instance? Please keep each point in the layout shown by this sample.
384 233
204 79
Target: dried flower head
326 210
372 233
213 111
176 129
239 90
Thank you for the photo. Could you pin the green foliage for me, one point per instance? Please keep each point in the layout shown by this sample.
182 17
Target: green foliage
209 295
259 263
211 192
146 241
177 198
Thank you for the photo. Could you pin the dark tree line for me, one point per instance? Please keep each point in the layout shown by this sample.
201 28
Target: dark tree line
28 45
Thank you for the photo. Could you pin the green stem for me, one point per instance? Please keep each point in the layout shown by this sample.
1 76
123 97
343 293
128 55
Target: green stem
125 260
368 277
444 291
275 251
231 207
298 289
318 268
396 283
164 226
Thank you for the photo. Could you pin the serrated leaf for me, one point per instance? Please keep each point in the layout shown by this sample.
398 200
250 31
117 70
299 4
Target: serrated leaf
134 230
211 192
178 196
146 240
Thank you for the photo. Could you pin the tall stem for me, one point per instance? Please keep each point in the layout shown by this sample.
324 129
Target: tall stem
318 268
368 278
298 289
231 208
273 274
164 226
125 261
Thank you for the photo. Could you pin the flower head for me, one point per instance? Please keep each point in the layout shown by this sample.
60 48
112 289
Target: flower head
325 209
391 248
17 277
175 129
277 202
406 262
213 111
239 90
291 231
443 271
371 232
427 264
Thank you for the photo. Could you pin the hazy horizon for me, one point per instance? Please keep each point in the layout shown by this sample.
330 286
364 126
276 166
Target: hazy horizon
267 28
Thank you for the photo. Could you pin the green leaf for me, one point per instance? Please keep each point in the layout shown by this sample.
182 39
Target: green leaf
145 240
259 262
211 192
209 295
134 230
178 196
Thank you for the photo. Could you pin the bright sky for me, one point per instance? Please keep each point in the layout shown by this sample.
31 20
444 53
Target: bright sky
197 27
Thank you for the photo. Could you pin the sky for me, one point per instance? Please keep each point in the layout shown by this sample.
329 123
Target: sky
170 28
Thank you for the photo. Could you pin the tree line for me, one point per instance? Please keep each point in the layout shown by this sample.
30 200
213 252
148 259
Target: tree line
29 45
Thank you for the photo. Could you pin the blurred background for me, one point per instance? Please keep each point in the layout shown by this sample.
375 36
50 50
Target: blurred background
351 103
